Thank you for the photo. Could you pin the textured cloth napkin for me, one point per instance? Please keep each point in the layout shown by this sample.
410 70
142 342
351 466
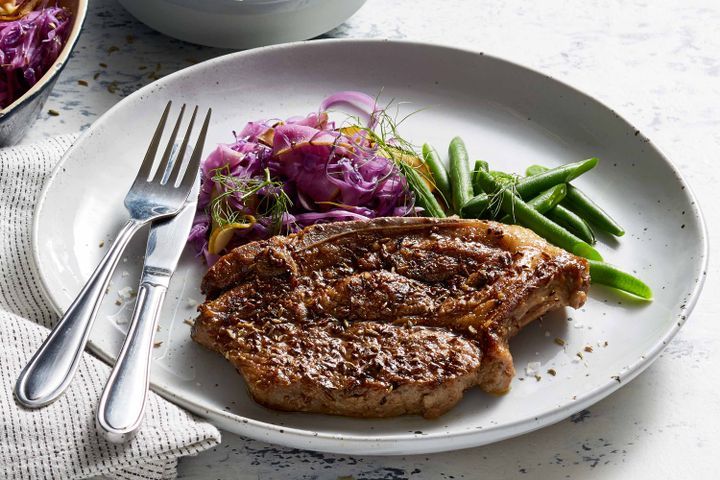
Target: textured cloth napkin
60 441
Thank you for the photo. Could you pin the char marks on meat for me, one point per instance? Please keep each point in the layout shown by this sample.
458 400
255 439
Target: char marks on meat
385 317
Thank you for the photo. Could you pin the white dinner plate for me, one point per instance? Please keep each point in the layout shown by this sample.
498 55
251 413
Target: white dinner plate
509 115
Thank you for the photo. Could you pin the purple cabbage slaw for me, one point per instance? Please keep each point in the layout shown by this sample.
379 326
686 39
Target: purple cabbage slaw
28 49
329 174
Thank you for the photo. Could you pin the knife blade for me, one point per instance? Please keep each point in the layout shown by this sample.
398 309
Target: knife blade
167 240
122 404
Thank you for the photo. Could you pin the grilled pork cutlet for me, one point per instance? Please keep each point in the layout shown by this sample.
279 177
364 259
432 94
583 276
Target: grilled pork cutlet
385 317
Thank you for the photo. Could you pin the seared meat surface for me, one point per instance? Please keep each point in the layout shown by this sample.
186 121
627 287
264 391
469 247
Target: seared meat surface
385 317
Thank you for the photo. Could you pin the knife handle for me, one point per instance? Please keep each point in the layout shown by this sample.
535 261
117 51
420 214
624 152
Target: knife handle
122 404
52 367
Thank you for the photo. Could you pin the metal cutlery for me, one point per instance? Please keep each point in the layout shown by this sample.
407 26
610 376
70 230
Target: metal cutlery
122 404
52 367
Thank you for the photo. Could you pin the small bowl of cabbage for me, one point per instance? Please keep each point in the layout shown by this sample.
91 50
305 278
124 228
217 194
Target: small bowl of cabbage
36 39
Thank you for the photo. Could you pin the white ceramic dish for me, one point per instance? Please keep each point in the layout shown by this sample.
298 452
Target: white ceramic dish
242 23
508 115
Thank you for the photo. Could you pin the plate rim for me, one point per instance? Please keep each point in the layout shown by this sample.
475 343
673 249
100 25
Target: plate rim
302 438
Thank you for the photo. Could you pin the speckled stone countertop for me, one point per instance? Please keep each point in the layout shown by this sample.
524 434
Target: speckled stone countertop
657 63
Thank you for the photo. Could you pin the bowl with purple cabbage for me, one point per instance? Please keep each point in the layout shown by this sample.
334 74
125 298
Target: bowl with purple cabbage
36 39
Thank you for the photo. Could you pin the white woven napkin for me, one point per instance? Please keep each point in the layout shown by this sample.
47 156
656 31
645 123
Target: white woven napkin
60 441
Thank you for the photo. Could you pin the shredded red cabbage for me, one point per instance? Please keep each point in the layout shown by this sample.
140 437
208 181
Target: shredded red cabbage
328 174
28 48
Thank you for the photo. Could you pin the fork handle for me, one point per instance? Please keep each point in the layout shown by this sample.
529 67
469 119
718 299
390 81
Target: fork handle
52 367
122 404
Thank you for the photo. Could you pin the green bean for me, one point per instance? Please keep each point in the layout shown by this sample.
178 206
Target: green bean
424 197
534 170
606 274
479 165
551 231
544 202
504 179
459 174
584 206
568 219
548 199
438 171
529 187
476 206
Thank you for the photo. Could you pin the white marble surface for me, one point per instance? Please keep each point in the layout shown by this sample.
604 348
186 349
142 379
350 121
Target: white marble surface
658 64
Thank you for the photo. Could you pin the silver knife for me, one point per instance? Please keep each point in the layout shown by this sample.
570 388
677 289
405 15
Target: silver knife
122 404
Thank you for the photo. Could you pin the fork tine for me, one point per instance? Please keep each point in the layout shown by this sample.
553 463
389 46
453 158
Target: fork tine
165 163
147 164
180 157
194 163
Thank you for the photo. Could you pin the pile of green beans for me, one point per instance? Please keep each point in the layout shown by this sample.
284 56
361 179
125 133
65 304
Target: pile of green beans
544 201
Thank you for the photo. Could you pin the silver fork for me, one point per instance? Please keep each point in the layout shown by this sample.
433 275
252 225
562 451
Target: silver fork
151 197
